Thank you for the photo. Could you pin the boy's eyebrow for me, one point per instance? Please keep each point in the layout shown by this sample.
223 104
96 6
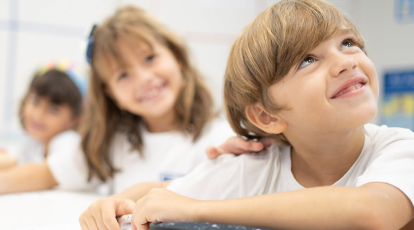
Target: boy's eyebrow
344 31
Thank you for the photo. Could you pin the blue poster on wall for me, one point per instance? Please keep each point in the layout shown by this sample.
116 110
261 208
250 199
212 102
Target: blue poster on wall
404 11
398 100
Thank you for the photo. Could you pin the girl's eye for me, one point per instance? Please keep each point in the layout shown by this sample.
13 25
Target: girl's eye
307 61
347 43
150 58
53 109
122 76
34 101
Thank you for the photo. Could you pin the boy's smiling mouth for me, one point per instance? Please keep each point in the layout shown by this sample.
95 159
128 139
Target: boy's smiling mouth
350 87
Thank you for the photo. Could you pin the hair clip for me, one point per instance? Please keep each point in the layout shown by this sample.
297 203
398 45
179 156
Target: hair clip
70 69
91 40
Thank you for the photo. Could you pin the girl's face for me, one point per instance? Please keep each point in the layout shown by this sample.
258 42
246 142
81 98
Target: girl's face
150 84
334 88
43 119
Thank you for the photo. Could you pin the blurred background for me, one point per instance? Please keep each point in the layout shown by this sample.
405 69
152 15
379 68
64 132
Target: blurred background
33 32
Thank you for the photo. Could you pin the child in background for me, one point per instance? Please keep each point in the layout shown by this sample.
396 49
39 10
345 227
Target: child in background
298 73
149 117
48 113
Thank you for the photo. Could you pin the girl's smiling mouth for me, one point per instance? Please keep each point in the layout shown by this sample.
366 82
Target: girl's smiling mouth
154 93
350 87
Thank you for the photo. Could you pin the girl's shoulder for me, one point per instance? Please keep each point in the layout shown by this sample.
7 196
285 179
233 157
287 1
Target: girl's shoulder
64 141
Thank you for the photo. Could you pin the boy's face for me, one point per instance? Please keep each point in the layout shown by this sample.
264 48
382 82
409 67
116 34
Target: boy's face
335 88
43 119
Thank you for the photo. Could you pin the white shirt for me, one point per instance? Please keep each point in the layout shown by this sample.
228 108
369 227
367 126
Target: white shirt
387 156
166 156
30 150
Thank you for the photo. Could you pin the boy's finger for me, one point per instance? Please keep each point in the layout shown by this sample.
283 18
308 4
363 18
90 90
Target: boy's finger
83 225
99 220
133 227
125 207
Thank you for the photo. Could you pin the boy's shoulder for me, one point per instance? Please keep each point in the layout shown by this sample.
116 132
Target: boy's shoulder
385 135
231 176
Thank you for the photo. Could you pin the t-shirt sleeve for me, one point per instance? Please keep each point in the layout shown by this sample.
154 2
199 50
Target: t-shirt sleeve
229 177
395 166
68 164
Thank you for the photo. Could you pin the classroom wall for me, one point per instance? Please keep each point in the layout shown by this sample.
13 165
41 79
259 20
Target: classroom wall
33 32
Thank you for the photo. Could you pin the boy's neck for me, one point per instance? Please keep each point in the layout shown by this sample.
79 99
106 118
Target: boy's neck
321 161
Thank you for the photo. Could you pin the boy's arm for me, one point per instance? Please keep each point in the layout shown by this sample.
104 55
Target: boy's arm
371 206
138 191
26 177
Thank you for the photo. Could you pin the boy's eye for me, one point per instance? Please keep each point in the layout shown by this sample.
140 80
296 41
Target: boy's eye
307 61
347 43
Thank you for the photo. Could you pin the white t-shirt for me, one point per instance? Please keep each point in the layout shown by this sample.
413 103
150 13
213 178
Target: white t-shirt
387 156
166 156
30 150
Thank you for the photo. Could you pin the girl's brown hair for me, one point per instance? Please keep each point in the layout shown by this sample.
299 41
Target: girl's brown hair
58 88
103 119
278 39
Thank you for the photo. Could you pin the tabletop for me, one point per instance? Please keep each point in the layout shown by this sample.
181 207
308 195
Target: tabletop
44 210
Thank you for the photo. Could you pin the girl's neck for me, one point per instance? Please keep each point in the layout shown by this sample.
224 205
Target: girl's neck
322 160
162 124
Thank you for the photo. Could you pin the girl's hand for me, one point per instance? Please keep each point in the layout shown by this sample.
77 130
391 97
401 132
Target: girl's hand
6 161
162 205
237 145
102 213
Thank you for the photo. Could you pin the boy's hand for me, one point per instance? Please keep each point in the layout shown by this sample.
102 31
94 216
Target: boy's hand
162 205
237 145
102 213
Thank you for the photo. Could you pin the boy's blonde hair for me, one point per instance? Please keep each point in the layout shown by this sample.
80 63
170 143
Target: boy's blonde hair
278 39
193 107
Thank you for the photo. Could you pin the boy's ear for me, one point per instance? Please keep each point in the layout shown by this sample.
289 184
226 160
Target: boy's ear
264 120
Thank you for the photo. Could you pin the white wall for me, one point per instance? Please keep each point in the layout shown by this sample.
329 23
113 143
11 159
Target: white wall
56 29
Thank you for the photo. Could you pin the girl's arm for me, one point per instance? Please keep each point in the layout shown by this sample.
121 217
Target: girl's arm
102 213
372 206
6 161
238 145
27 177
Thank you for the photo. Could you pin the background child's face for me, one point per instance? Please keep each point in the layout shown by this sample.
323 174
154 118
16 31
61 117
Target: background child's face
334 89
43 119
150 85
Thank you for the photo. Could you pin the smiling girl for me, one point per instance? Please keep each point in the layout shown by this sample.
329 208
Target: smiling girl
149 116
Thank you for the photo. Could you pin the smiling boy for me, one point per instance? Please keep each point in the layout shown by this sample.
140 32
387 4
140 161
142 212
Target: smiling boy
298 73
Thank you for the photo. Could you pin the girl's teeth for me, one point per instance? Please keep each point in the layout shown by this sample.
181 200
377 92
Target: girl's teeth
153 93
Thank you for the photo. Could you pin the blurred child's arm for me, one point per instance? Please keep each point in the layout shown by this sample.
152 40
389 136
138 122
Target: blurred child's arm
238 145
26 177
6 161
371 206
102 213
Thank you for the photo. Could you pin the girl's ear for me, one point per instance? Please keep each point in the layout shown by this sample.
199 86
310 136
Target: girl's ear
264 120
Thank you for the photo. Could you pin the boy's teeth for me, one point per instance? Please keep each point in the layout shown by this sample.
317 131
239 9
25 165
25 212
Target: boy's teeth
350 88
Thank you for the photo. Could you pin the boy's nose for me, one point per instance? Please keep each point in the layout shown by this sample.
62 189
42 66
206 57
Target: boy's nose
343 65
